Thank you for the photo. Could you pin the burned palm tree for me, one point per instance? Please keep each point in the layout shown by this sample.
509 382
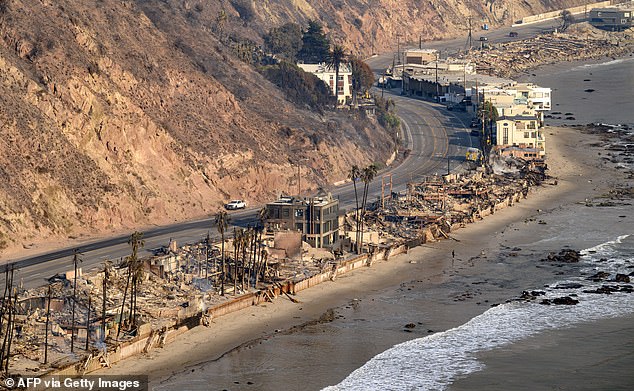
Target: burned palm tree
106 279
368 175
222 220
237 239
354 174
7 318
135 274
135 266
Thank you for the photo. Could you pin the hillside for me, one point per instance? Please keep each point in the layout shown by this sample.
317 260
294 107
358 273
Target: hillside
119 114
109 123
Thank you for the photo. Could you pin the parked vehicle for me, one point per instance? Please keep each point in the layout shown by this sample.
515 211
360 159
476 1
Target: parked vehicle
473 154
475 133
513 34
236 204
484 39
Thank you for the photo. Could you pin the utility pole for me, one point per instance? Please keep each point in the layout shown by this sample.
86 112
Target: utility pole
48 314
207 256
106 275
469 37
437 86
398 47
72 326
88 324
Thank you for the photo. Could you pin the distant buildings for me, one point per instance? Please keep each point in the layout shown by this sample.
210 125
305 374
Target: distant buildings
327 74
613 19
315 217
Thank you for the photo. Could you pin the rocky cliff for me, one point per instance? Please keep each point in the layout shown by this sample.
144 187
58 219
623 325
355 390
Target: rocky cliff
118 114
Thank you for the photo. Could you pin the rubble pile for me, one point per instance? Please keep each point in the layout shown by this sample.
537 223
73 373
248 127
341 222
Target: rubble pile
431 208
516 57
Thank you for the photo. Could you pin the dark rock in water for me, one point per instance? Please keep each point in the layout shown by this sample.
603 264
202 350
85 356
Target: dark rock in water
603 260
589 90
622 278
565 256
526 295
566 300
571 118
627 289
407 330
599 276
609 289
568 285
587 80
410 326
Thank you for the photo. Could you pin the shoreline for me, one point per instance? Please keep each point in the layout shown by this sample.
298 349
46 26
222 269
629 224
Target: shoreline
231 331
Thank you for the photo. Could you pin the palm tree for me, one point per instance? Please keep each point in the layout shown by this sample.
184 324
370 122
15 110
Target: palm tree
336 57
222 220
135 267
354 174
367 176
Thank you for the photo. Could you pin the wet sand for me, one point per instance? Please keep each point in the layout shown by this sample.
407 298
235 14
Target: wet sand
371 306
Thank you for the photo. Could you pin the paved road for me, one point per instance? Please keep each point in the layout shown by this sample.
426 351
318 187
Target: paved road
432 134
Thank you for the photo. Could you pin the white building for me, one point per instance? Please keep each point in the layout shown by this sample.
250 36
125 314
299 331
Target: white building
523 132
327 74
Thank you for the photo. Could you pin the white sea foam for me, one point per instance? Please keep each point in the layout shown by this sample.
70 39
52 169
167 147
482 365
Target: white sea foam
434 362
601 64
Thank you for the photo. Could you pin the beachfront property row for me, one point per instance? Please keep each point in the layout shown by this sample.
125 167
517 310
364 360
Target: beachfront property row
520 107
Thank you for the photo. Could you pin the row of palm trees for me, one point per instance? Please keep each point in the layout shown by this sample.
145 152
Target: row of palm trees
366 175
249 261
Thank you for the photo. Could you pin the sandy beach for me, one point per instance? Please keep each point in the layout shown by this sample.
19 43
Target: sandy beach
282 334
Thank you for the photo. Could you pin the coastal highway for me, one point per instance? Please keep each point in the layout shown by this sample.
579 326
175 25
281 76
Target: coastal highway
432 134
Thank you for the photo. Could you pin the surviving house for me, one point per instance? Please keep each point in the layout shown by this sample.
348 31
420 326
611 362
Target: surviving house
315 217
328 74
523 134
613 19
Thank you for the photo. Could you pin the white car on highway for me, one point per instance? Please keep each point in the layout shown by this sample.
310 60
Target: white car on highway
236 204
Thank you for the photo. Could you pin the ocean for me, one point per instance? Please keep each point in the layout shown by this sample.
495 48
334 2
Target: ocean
596 92
437 361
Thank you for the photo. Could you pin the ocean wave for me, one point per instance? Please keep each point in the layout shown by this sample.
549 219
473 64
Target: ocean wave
434 362
601 64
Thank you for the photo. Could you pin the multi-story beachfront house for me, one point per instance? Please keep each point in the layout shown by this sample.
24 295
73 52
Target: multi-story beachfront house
315 217
520 136
328 74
